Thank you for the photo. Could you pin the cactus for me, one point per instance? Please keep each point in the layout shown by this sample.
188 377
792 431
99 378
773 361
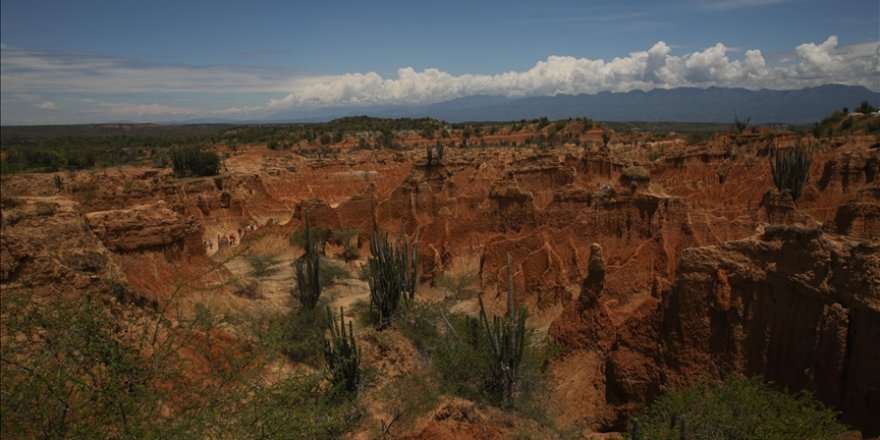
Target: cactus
59 182
342 354
790 169
506 336
429 154
393 275
634 433
307 270
740 125
441 149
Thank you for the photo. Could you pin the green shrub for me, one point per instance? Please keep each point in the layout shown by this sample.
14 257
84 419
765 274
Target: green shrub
460 284
343 237
331 273
193 161
298 335
738 408
71 371
293 408
262 265
791 169
317 234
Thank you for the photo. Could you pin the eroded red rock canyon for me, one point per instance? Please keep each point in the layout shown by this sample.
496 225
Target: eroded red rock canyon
703 270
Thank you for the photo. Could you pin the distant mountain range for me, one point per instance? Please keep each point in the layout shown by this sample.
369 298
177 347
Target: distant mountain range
714 104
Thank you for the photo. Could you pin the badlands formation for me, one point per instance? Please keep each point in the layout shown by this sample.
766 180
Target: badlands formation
701 269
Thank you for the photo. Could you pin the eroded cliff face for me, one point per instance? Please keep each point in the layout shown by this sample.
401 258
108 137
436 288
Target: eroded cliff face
138 255
146 227
47 241
793 304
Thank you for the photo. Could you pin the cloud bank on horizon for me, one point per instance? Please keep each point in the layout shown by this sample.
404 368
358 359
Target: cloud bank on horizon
40 87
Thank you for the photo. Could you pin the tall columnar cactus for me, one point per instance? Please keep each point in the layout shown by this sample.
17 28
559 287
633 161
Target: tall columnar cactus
506 336
634 433
307 270
791 169
342 354
430 155
441 149
393 275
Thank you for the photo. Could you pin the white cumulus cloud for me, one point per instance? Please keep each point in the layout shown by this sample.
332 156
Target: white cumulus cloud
141 85
814 64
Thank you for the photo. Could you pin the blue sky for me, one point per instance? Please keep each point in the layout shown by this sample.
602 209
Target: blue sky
92 61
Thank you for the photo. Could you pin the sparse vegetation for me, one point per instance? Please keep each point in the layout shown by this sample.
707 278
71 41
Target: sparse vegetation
75 371
331 273
316 237
736 408
298 334
343 237
460 284
263 265
193 161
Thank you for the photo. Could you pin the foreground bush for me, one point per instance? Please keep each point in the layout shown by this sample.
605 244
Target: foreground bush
71 369
738 408
298 334
460 352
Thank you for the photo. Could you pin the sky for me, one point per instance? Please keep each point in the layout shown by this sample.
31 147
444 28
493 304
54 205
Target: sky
64 62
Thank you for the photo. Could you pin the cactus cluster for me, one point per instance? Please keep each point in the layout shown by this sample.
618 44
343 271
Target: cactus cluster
429 153
307 271
740 125
342 354
393 275
506 336
790 169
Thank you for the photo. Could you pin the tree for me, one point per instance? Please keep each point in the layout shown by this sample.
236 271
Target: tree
325 139
866 108
192 161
